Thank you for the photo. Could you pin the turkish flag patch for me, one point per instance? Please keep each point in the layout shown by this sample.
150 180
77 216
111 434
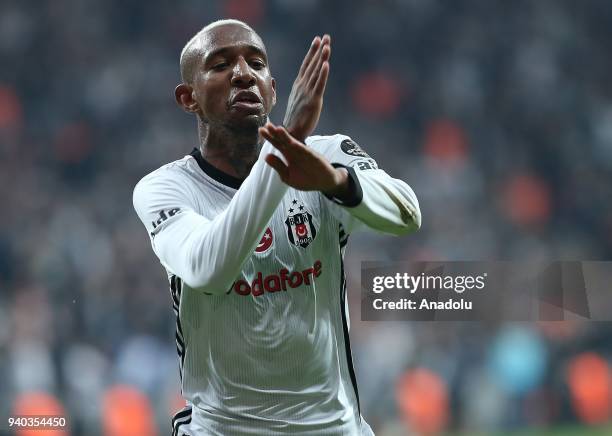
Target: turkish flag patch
266 242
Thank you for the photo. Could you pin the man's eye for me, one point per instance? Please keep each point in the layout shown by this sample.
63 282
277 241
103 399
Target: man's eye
220 66
258 65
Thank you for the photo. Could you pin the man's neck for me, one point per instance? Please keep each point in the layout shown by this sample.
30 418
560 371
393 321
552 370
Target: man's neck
232 152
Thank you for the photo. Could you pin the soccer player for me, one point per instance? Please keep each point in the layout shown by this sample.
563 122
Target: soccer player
251 228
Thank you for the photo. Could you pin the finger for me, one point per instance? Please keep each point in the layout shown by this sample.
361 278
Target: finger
319 87
278 165
269 134
283 136
280 138
325 54
315 60
309 55
264 130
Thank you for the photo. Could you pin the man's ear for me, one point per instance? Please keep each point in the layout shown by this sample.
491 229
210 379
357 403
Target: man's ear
273 92
183 95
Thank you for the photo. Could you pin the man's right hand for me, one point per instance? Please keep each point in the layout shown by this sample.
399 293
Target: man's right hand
304 168
306 98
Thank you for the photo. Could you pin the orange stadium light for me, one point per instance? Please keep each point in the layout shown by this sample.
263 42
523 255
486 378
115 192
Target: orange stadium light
446 142
527 200
377 94
422 397
251 11
127 412
175 402
11 112
589 380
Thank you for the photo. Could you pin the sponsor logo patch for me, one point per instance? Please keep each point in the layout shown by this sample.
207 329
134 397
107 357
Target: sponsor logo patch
282 281
163 216
351 148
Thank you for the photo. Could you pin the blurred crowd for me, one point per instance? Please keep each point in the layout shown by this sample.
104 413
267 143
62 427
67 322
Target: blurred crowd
498 114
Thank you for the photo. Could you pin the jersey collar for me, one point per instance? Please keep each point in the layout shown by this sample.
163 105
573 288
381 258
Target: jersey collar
214 172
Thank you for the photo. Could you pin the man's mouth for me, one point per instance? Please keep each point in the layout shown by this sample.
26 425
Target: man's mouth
246 100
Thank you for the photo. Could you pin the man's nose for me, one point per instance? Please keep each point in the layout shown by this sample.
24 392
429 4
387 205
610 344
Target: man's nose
242 74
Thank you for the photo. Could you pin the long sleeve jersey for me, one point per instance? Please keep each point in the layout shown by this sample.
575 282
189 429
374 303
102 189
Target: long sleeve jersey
258 288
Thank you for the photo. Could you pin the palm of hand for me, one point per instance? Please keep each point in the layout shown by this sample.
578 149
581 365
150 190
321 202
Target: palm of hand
306 98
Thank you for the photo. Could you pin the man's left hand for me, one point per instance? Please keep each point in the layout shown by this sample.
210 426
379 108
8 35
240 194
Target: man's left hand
306 98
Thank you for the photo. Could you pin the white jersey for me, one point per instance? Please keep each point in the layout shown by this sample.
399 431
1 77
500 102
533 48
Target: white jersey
257 283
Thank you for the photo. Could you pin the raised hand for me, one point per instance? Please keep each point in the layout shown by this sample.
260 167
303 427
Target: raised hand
306 97
305 169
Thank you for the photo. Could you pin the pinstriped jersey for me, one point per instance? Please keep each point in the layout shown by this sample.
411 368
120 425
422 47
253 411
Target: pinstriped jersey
257 282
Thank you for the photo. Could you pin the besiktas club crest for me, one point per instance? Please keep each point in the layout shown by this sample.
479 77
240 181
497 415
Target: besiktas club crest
300 228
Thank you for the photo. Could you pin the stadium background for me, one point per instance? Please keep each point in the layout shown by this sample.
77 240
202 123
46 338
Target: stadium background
499 114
